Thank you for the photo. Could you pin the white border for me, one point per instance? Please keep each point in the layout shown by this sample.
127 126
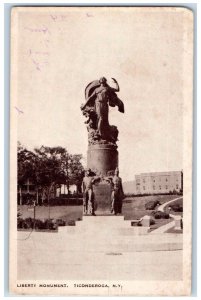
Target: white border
198 105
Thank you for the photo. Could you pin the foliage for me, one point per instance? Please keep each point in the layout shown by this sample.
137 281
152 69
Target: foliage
160 215
152 204
49 167
49 224
60 222
176 207
152 221
27 165
71 223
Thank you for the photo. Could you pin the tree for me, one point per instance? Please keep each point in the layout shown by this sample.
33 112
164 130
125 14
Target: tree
72 168
49 174
76 171
26 164
48 168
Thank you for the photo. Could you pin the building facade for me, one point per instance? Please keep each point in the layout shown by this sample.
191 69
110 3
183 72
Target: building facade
159 182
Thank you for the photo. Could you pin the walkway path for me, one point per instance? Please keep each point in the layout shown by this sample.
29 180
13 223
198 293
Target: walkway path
169 225
161 207
78 256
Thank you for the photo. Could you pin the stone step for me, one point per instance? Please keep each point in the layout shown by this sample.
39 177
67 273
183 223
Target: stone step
90 225
102 230
107 243
103 219
104 225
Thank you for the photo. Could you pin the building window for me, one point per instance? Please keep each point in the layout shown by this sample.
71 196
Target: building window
153 187
177 186
159 187
144 188
144 180
154 180
166 179
166 187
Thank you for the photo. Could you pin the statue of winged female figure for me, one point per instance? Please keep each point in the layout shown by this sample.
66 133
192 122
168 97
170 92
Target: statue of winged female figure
99 96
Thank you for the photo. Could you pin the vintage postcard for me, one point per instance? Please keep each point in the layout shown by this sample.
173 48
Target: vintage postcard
101 151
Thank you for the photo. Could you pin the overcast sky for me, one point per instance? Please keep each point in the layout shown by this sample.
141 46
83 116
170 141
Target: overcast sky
60 51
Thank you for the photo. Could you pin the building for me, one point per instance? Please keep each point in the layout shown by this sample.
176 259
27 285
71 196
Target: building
159 182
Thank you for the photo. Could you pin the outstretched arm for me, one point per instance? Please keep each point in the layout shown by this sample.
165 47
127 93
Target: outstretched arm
117 89
108 179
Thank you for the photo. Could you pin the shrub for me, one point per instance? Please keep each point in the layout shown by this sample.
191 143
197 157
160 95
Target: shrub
152 204
20 223
71 223
60 222
176 207
50 224
39 224
160 215
28 223
152 221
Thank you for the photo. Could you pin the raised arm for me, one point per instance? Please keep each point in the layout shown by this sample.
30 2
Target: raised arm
117 89
95 179
108 179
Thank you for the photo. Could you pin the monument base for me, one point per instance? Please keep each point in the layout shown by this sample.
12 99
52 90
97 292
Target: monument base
102 158
102 194
104 228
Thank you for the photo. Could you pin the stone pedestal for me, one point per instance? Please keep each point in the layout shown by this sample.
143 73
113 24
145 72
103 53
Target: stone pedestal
146 220
178 222
102 192
102 158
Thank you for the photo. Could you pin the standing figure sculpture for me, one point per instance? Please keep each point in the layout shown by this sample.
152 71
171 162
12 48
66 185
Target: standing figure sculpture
117 192
99 95
88 195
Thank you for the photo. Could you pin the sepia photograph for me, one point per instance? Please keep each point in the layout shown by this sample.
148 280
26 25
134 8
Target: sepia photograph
101 151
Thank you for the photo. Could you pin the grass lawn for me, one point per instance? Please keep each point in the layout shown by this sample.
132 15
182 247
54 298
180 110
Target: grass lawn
160 222
178 213
172 230
66 213
133 208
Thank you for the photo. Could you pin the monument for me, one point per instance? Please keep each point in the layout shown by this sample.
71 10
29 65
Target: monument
102 185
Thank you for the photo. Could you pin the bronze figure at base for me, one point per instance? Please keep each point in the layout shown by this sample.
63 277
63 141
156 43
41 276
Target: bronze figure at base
107 201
